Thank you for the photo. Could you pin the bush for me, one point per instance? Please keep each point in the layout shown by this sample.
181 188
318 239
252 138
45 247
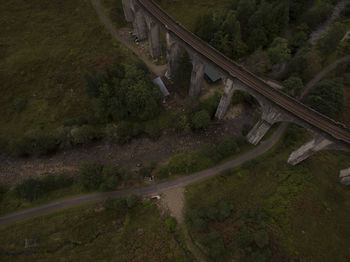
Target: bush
171 224
90 176
37 143
211 104
201 119
192 105
227 148
111 174
84 134
32 189
29 189
4 144
187 163
162 173
293 86
132 201
3 191
327 97
153 130
240 97
124 132
115 205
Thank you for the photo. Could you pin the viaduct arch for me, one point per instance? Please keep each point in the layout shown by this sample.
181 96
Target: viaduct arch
149 19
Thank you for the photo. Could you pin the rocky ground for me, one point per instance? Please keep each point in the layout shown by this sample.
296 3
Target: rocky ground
140 151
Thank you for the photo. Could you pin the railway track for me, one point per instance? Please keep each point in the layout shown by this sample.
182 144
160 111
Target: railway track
291 105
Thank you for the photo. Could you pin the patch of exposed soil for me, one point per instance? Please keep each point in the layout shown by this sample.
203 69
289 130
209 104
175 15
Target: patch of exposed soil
173 200
140 151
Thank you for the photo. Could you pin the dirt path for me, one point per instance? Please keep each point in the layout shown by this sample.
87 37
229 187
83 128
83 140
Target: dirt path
154 189
158 70
324 27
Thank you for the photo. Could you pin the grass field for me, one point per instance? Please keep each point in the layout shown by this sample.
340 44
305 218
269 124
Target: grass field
45 48
304 208
89 233
187 11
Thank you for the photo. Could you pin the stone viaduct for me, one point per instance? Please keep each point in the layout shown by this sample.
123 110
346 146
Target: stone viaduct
149 19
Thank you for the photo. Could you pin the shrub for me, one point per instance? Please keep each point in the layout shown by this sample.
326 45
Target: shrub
227 148
53 182
115 205
4 144
132 201
29 189
90 176
37 143
34 188
3 191
162 173
211 104
187 163
191 105
327 97
201 119
111 174
244 238
124 132
261 238
153 130
84 134
171 224
293 86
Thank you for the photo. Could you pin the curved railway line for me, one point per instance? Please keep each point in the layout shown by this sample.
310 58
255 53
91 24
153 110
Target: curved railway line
291 105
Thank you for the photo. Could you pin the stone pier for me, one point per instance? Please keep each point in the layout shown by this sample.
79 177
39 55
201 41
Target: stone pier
154 38
345 176
308 149
139 23
172 54
226 98
258 132
196 76
129 16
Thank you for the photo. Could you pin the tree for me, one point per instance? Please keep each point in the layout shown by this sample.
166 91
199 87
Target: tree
205 26
293 86
90 175
279 51
201 119
259 62
330 41
245 10
327 97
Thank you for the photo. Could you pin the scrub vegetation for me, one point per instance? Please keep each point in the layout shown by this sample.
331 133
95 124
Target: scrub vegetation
114 230
269 210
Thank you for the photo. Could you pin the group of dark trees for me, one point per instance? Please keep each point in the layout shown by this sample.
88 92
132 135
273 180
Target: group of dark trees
121 93
247 25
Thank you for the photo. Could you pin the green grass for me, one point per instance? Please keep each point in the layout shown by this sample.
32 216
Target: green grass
187 11
45 49
139 234
306 207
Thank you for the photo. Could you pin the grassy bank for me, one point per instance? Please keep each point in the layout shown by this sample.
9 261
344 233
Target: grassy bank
45 49
95 232
271 210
